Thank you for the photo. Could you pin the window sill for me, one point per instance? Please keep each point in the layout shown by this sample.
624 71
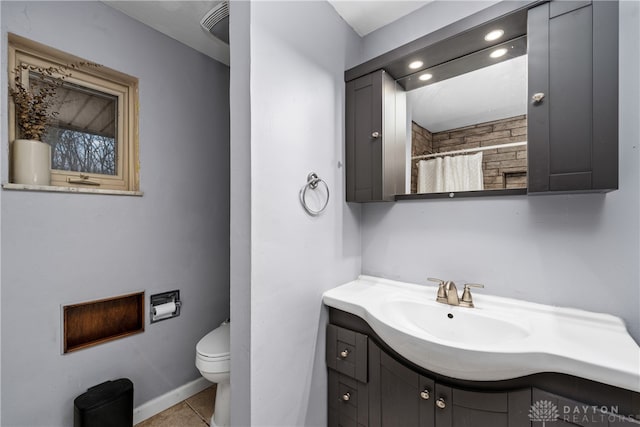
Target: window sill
52 189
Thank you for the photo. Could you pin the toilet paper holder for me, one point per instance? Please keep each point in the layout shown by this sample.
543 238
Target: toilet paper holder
165 305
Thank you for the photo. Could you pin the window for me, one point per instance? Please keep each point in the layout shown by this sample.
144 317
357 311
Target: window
93 138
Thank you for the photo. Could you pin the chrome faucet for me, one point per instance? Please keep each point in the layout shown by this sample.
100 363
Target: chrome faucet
442 294
452 293
448 293
467 300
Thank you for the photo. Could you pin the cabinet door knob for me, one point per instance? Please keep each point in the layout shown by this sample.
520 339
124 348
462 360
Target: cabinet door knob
440 403
345 397
424 394
344 353
375 135
537 97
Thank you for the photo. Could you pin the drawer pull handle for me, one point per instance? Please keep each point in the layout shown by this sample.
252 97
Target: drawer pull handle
424 394
440 403
346 397
344 353
375 135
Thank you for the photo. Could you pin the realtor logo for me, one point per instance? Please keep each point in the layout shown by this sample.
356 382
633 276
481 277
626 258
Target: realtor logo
543 410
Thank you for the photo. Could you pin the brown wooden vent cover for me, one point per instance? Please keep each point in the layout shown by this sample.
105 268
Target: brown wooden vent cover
94 322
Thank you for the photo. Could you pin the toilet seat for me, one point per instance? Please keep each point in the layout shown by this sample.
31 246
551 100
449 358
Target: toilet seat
212 351
213 366
215 345
213 360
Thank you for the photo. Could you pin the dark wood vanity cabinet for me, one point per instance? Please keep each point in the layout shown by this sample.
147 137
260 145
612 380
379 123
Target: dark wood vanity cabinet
347 360
374 139
573 72
400 396
370 387
395 393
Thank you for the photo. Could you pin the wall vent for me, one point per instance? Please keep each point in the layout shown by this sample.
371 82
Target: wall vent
216 21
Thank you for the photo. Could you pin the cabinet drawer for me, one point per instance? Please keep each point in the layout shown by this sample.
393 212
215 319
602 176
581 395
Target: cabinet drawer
347 352
494 402
482 408
348 401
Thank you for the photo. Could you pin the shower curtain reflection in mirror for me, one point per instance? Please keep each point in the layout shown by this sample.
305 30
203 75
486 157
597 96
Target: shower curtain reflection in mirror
451 173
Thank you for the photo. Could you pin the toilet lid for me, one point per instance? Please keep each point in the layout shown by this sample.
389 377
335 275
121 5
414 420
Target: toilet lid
216 343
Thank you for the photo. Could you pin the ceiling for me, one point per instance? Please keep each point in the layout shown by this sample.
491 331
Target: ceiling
367 16
180 19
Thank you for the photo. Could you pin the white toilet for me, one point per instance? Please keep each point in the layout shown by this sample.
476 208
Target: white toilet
213 362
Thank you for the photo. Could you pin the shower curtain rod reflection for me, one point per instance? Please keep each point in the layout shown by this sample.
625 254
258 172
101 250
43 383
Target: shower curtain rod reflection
468 150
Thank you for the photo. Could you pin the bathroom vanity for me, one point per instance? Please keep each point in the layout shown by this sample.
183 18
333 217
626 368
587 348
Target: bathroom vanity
392 370
571 98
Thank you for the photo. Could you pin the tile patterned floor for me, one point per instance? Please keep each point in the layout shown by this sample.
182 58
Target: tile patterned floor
196 411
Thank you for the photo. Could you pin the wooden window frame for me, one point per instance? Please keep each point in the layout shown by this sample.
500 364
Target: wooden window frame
102 79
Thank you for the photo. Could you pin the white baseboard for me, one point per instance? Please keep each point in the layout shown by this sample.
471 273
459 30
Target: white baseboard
167 400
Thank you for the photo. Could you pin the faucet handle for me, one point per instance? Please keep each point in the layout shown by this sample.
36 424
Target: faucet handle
467 300
442 293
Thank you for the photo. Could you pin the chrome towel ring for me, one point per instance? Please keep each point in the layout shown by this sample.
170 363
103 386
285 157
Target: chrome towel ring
312 183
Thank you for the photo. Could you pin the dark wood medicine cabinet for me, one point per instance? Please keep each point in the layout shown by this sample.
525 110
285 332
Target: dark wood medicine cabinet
571 106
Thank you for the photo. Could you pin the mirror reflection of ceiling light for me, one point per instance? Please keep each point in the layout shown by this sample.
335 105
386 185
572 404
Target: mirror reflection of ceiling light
425 77
416 64
498 53
494 35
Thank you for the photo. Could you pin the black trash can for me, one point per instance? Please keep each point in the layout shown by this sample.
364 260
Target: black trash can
109 404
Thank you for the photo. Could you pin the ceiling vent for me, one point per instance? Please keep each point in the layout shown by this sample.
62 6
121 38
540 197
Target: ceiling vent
216 21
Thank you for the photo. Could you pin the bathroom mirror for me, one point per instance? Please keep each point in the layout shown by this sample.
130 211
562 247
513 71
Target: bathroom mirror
456 61
468 123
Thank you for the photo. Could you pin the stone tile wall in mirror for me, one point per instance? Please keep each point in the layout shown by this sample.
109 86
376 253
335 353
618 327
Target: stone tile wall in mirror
469 132
502 168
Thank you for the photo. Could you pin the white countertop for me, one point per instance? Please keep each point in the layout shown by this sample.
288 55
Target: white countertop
590 345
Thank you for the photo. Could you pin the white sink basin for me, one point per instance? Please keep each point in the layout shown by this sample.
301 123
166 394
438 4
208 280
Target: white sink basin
458 326
499 339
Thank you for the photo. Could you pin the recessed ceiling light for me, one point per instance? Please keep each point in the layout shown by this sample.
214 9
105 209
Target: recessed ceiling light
498 53
416 64
425 77
494 35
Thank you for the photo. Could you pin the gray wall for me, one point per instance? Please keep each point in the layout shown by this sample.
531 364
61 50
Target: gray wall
66 248
240 262
569 250
298 54
3 95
